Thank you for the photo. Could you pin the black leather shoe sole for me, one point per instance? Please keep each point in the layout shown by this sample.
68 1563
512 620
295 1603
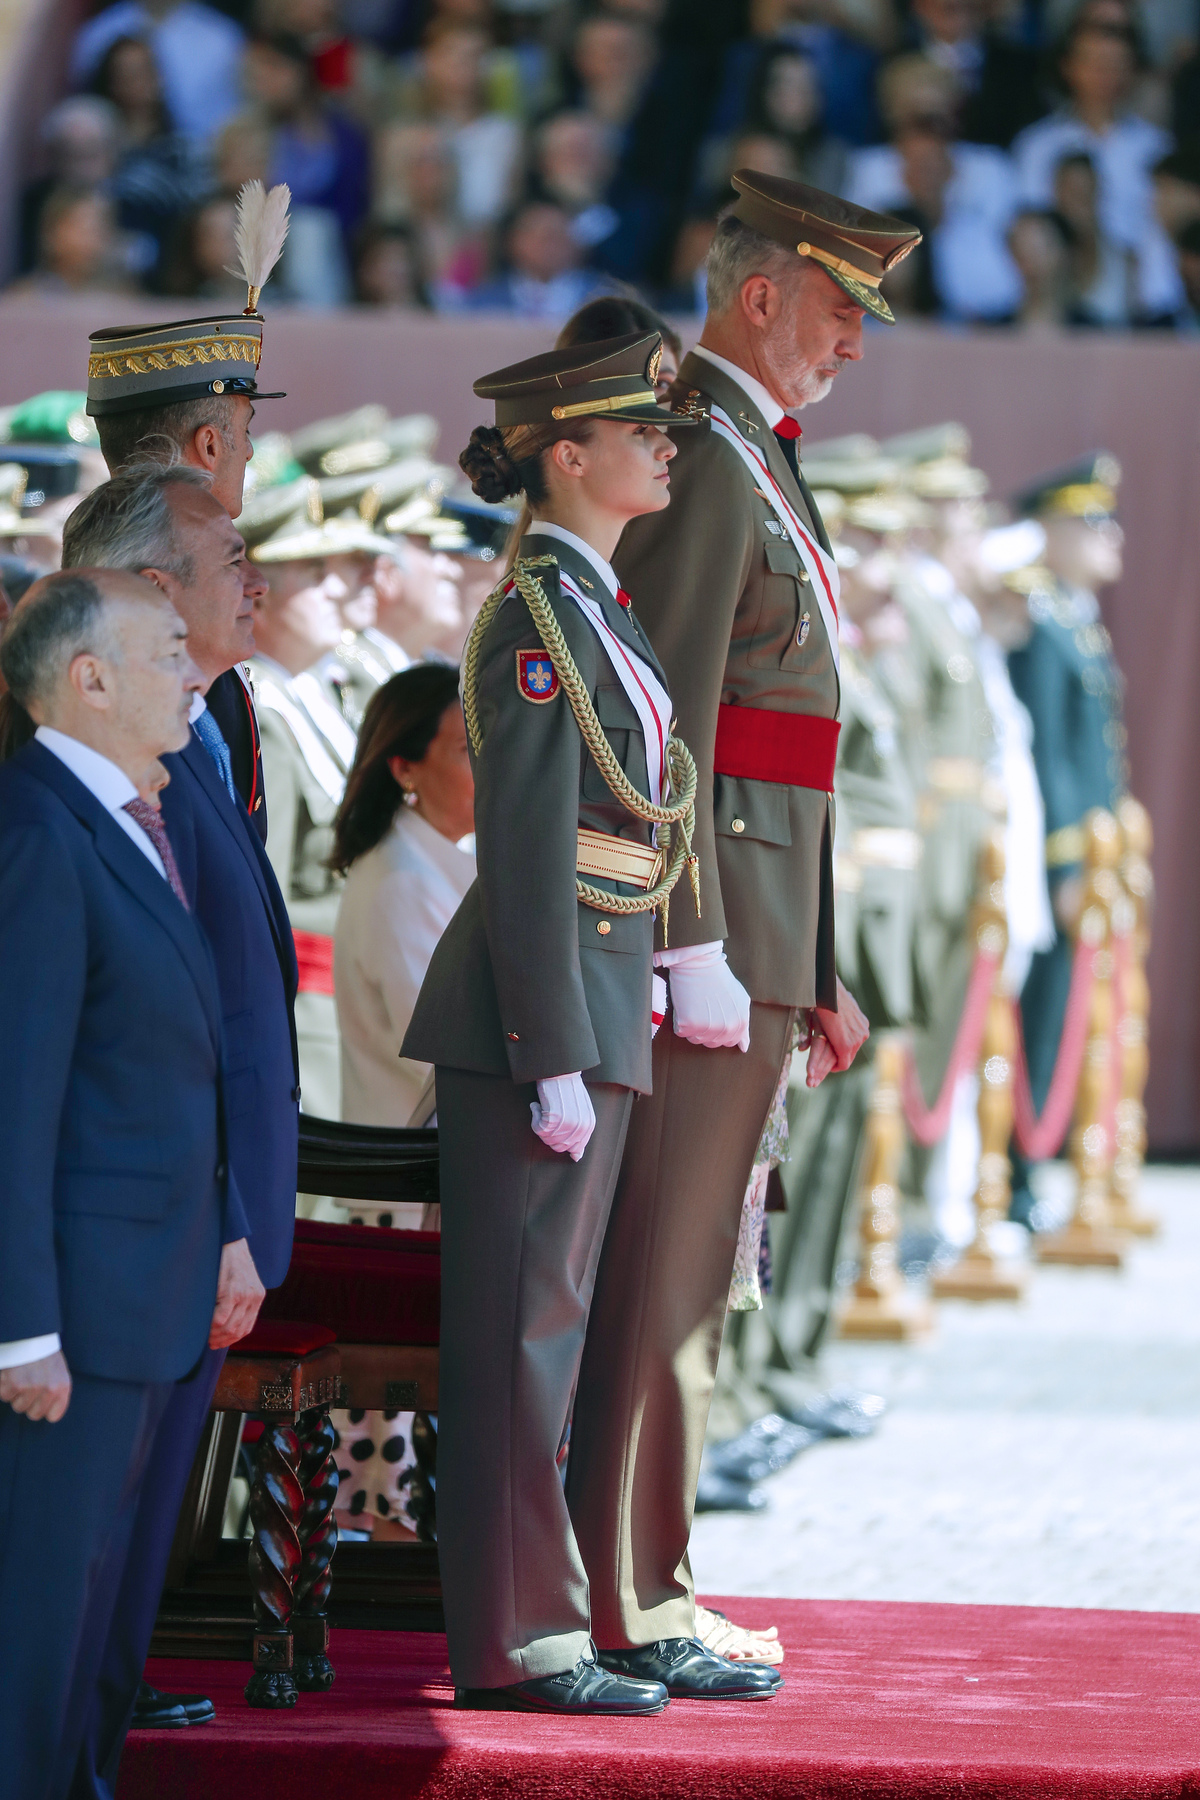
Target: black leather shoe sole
513 1700
158 1718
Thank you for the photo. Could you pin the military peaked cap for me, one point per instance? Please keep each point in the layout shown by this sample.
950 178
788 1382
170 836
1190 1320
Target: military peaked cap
855 247
135 366
1084 489
612 378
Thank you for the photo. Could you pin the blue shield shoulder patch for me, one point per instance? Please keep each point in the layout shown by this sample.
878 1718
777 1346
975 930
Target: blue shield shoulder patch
537 679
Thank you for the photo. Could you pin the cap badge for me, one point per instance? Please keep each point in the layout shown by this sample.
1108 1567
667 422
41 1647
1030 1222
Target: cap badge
537 678
654 364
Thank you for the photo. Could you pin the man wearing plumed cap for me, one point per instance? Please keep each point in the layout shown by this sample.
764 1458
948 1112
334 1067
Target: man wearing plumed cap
186 391
738 589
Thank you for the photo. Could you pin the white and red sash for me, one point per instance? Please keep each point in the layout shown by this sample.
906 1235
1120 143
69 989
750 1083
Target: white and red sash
822 569
647 695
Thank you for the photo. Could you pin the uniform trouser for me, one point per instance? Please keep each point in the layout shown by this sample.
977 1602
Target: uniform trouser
655 1334
522 1228
136 1605
58 1586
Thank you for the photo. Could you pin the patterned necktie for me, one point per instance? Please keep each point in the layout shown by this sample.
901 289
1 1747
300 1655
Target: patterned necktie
150 820
213 739
787 432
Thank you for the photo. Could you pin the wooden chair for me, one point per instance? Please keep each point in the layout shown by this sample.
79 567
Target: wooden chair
355 1324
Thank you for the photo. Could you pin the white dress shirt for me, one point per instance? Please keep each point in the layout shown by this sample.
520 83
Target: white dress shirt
108 784
112 788
397 902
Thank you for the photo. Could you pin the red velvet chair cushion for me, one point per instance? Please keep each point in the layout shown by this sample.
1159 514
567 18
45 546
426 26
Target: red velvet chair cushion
368 1284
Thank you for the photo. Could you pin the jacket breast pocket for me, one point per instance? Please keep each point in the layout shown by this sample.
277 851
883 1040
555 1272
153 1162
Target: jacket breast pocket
785 592
619 720
112 1193
751 809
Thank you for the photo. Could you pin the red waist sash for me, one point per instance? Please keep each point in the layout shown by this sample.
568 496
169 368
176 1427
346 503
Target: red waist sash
314 956
795 749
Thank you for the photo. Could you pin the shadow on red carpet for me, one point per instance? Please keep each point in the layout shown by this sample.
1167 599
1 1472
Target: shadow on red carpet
895 1701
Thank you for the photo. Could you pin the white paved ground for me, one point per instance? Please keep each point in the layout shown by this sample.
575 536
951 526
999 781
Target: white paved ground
1046 1453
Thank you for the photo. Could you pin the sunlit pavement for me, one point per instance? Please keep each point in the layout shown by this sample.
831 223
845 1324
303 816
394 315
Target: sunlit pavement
1042 1453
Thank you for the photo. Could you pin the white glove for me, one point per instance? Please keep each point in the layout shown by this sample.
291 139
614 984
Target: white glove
563 1115
709 1003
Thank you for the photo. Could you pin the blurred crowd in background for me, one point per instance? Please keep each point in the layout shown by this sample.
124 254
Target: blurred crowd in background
521 155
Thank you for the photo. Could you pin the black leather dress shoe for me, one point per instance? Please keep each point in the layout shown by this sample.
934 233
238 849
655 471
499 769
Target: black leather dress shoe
155 1711
583 1689
718 1493
690 1672
764 1448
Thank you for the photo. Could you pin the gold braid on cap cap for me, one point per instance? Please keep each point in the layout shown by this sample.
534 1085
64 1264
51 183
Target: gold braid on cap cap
611 404
836 263
681 765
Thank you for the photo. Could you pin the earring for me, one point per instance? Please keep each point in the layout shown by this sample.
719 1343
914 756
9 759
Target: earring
410 796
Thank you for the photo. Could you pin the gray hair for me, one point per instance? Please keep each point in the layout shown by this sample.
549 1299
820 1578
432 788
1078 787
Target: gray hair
737 252
160 434
61 617
127 523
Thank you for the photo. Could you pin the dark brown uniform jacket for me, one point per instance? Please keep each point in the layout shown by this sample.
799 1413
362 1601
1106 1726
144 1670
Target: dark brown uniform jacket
522 983
722 598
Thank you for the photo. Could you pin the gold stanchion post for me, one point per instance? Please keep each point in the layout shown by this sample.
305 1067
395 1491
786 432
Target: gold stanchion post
979 1274
1090 1239
882 1306
1133 1050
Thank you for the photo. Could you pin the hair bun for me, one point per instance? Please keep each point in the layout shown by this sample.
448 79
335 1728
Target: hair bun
488 466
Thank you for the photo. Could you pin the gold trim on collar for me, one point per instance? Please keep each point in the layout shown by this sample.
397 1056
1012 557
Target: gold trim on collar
836 262
181 353
611 404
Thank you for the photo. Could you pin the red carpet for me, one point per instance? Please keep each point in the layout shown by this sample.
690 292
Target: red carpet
895 1701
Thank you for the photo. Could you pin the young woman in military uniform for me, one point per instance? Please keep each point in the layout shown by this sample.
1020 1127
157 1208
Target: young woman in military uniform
537 1008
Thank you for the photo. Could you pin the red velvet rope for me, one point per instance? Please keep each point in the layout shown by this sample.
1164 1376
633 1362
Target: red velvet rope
1037 1138
929 1125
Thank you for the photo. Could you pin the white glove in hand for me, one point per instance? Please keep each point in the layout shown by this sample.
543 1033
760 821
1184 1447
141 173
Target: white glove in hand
709 1003
563 1115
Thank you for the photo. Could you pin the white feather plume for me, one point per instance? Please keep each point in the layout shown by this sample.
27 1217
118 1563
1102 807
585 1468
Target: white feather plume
259 232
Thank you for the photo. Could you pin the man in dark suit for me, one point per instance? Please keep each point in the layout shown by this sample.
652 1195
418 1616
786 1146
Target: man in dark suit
166 524
114 1196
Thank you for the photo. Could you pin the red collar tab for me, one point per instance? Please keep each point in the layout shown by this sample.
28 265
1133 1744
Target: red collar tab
788 428
623 598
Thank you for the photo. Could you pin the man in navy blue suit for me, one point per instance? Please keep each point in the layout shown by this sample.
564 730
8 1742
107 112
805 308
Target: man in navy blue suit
116 1216
165 523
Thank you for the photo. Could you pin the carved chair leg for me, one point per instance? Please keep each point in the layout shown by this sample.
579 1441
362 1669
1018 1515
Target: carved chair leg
423 1489
318 1541
276 1508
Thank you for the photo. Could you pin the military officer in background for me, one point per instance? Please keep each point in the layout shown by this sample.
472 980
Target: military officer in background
307 750
1066 676
953 740
876 857
739 587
